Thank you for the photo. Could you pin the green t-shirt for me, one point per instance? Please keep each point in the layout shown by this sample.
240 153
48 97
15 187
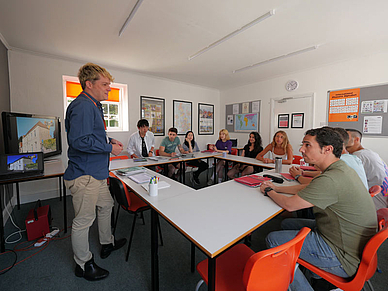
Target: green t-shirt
170 146
344 212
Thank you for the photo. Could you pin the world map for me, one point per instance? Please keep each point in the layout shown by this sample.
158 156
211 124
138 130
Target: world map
246 122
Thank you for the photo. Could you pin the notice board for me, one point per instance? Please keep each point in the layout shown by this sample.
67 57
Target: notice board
363 108
243 117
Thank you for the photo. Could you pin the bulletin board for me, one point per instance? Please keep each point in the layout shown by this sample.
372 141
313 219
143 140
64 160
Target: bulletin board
243 117
363 108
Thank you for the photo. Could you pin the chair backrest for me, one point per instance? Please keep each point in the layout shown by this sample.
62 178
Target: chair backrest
297 159
374 190
273 269
234 152
368 265
157 152
119 158
120 191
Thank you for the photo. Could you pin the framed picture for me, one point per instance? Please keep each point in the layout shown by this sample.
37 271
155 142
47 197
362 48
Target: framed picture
283 120
182 112
152 109
297 120
205 119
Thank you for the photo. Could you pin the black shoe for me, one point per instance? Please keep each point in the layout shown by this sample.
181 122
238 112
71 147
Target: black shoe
196 180
107 249
92 271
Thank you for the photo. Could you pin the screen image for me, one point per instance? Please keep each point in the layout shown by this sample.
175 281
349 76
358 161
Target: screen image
21 163
36 134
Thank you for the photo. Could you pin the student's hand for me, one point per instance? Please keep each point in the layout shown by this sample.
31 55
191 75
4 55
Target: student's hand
150 154
267 184
211 147
295 171
267 161
116 149
188 141
173 154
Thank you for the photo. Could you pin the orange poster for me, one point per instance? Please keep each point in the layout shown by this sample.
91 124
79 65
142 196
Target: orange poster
343 105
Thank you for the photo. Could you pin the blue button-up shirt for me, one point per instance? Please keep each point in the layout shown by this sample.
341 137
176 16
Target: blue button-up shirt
89 148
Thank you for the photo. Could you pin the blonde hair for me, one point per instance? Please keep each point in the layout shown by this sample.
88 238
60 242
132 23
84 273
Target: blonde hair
92 72
226 134
285 143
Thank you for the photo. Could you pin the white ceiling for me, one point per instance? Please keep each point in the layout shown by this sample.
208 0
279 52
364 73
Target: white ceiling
164 33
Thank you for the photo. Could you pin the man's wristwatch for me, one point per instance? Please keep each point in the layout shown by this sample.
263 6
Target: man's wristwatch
266 190
151 152
297 177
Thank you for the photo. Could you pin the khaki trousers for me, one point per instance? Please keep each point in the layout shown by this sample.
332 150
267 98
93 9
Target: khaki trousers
89 193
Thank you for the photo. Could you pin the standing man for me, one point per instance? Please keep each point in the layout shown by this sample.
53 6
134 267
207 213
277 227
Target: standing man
167 148
88 170
141 143
338 197
375 168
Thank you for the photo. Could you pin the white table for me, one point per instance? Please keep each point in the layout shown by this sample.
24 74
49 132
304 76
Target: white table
213 218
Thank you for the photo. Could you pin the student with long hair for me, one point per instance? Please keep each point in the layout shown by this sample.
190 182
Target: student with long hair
223 145
279 147
190 146
251 150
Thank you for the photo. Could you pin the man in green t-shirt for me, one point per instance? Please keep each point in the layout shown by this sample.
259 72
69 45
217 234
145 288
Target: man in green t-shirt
168 146
345 216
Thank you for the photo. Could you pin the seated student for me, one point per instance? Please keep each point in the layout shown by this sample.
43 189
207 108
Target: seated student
351 160
375 168
167 148
141 143
280 147
223 145
339 233
189 146
251 149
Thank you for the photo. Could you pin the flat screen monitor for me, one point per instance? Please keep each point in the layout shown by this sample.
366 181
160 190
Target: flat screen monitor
24 133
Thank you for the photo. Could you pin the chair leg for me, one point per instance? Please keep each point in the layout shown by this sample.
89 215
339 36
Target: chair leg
142 217
370 285
130 238
160 231
117 218
200 282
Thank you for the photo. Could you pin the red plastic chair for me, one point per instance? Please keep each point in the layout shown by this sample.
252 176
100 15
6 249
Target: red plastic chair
374 190
118 158
131 203
234 152
297 159
382 217
366 269
240 268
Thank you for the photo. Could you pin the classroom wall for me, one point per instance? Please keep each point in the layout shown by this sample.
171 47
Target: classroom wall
365 71
36 87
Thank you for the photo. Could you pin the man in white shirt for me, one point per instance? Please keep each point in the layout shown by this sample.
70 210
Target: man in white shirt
375 168
141 143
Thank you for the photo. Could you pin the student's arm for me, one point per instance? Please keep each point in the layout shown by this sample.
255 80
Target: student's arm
286 189
219 150
290 204
180 148
151 151
243 153
290 156
260 156
163 153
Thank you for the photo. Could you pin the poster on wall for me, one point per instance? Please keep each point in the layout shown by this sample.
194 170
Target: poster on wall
182 112
205 118
343 105
283 120
152 109
372 124
297 120
246 122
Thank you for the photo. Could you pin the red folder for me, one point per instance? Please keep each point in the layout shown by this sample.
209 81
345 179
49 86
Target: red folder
252 180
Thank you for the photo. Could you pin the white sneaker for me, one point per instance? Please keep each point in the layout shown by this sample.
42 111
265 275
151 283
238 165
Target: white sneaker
219 180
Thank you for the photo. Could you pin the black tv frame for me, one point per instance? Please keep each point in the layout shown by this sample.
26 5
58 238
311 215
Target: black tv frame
10 132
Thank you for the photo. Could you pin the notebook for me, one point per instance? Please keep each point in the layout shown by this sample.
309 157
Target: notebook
21 165
252 180
140 178
131 171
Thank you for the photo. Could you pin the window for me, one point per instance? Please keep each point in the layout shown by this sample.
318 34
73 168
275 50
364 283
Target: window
115 108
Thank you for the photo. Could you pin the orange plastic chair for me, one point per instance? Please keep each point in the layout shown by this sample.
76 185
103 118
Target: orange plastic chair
131 203
366 269
297 159
240 268
374 190
382 217
234 152
118 158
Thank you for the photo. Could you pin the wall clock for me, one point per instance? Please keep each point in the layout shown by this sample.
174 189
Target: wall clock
292 85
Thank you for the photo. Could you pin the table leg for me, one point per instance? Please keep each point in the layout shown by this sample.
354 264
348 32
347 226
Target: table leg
64 204
215 171
183 172
18 195
154 251
211 274
2 249
192 257
60 188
